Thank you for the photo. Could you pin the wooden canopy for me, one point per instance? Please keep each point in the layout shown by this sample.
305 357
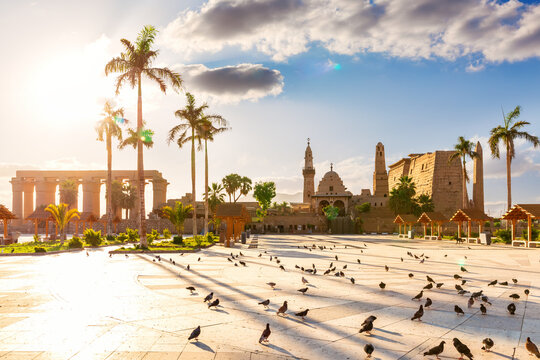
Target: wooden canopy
5 216
408 219
523 212
432 218
469 215
40 215
235 216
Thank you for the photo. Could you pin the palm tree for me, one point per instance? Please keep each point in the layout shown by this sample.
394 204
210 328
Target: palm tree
117 195
129 199
402 196
132 64
231 183
192 119
245 187
177 215
107 128
506 134
62 215
214 196
463 149
207 132
69 192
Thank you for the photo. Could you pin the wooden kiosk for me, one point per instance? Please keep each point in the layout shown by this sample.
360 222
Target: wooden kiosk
405 220
5 216
235 217
40 215
527 212
469 216
432 218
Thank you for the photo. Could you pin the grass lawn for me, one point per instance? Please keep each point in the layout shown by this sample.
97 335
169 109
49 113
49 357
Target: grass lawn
188 244
29 247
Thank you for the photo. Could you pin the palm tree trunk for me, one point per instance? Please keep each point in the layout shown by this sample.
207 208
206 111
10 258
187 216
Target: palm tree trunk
109 182
205 187
140 170
193 182
509 178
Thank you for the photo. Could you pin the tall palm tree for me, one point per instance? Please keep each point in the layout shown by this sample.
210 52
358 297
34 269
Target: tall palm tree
132 64
62 215
231 183
107 128
507 133
177 215
188 131
463 149
215 196
207 132
69 192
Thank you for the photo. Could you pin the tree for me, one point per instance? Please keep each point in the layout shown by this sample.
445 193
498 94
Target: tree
424 203
463 149
117 195
330 212
231 183
214 195
264 192
245 187
192 120
129 198
177 215
62 215
507 133
107 128
401 199
132 64
207 131
361 209
69 191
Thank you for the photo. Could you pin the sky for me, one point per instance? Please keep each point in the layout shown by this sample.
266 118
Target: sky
347 74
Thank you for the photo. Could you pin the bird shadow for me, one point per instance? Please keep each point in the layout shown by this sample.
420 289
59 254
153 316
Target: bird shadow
194 294
278 348
501 355
299 321
220 311
313 286
383 338
203 346
389 332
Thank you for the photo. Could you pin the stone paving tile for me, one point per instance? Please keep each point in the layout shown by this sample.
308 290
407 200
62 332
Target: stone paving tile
20 355
126 355
154 355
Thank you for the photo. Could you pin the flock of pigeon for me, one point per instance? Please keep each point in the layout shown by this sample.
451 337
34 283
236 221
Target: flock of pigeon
368 325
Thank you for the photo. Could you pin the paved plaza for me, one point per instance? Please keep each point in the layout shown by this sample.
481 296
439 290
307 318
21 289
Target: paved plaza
74 306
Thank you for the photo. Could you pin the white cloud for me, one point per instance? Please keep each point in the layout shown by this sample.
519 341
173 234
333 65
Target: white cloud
496 31
232 83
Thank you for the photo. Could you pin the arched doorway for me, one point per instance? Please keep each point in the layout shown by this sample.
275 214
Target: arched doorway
322 205
341 206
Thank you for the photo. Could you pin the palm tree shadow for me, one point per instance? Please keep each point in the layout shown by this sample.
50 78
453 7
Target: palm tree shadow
203 346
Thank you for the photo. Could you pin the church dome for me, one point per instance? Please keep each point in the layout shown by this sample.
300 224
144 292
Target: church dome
331 184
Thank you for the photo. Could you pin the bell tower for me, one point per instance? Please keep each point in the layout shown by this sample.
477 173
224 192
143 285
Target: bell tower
309 175
380 176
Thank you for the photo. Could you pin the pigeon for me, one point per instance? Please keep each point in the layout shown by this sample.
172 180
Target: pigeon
428 303
241 254
282 309
504 283
458 310
242 263
418 315
153 260
462 292
352 280
422 261
514 296
265 303
485 299
527 292
125 254
281 267
229 259
344 266
477 294
278 261
401 259
462 349
302 314
457 277
214 303
199 259
429 279
260 255
493 283
303 290
458 287
418 296
470 303
511 308
483 309
437 350
304 281
463 269
187 268
386 268
370 318
382 285
463 282
367 327
209 297
358 261
191 289
271 284
368 348
515 281
488 344
532 348
327 272
195 334
429 286
265 334
336 258
411 275
439 285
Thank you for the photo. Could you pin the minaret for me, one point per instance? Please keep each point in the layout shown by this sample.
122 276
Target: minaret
309 175
478 179
380 176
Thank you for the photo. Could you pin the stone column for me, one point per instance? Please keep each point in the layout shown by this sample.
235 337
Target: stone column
91 189
135 210
160 192
28 188
45 192
17 204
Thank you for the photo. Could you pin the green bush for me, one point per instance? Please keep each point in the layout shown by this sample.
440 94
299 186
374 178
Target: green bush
166 233
535 233
199 240
210 237
155 233
497 223
133 235
122 237
40 249
178 240
92 237
504 235
75 243
150 238
110 237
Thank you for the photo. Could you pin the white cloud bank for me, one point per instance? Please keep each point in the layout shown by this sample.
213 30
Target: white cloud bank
493 31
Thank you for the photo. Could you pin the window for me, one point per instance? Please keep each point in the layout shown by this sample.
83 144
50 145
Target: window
449 183
385 195
331 188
